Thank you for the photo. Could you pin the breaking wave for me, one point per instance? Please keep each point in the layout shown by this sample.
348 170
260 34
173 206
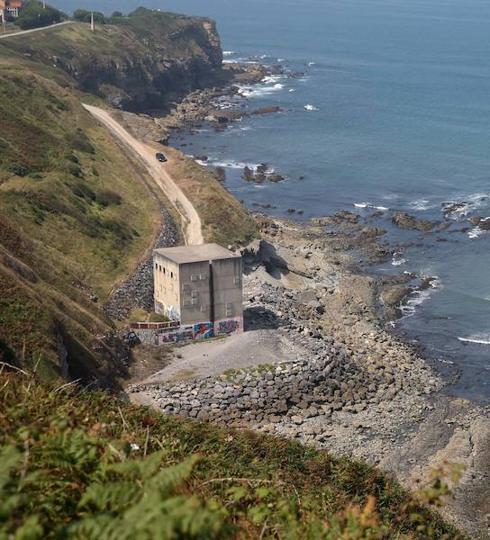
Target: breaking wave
478 339
369 205
418 297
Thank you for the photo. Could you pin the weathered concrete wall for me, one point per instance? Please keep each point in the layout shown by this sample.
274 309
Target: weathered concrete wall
195 292
167 287
227 289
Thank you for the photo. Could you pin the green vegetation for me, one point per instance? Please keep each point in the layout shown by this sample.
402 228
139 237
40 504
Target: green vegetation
224 219
34 15
144 60
77 464
75 217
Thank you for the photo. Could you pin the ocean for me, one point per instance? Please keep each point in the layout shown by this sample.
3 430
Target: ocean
390 108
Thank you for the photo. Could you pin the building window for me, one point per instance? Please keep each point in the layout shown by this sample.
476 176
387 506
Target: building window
194 277
238 280
164 269
203 277
171 275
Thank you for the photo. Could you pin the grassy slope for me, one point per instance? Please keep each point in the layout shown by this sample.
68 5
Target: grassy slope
75 216
224 219
128 61
69 471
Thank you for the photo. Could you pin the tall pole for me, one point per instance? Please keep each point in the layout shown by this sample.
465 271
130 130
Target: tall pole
44 4
92 25
2 16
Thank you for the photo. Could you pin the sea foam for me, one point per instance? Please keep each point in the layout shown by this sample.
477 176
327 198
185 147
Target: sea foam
478 339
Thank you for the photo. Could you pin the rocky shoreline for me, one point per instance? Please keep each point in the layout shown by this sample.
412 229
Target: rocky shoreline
352 386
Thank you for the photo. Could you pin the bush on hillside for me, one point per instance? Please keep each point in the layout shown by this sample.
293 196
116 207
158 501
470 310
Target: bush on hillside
33 15
83 15
79 464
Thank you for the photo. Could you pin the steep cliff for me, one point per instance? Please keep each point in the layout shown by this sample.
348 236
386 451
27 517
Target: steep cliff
146 60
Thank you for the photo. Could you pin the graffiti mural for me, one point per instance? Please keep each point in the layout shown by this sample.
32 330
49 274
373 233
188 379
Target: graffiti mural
203 330
228 326
172 313
184 335
166 338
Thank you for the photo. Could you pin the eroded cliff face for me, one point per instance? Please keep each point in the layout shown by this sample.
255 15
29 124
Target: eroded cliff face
146 61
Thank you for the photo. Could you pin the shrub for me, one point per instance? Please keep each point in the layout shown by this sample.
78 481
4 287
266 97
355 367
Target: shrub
106 198
79 141
84 192
19 169
74 169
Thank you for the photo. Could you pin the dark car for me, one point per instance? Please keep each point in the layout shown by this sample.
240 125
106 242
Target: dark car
161 157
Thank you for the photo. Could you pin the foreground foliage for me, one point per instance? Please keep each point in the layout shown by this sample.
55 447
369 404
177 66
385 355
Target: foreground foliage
77 464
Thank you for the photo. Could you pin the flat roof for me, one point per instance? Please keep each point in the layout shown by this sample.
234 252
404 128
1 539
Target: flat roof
189 254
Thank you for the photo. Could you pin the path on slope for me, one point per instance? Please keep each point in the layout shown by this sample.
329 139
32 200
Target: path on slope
191 222
32 30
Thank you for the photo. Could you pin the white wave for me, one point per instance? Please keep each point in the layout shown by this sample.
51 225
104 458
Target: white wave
369 205
281 59
475 233
236 165
418 297
229 61
421 204
229 53
292 90
310 108
479 339
201 162
463 205
272 79
397 259
259 91
312 63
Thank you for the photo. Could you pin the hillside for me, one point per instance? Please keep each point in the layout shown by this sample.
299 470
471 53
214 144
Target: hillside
83 465
146 61
77 214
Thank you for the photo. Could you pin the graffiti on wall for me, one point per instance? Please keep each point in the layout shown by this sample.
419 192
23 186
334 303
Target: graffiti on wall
203 330
168 337
228 326
184 334
172 312
198 331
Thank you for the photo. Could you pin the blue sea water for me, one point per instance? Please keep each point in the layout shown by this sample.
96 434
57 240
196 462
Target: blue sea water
399 94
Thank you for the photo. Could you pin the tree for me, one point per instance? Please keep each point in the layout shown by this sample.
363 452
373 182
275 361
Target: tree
83 15
34 15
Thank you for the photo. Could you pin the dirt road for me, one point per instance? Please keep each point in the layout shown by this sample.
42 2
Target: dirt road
32 30
191 222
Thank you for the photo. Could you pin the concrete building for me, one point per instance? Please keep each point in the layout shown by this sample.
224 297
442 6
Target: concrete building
200 286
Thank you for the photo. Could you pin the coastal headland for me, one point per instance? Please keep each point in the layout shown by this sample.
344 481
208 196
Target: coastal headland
81 214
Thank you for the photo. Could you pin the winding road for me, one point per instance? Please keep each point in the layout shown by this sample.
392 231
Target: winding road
191 222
